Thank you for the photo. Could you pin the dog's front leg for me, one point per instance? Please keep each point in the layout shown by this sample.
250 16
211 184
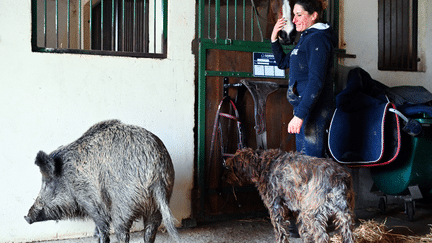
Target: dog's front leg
276 211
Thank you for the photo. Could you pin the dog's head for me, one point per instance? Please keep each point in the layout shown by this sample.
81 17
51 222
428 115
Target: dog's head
241 168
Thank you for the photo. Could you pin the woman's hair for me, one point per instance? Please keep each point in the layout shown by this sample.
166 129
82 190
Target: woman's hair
312 6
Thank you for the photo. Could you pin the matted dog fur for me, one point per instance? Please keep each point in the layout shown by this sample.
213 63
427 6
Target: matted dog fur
314 189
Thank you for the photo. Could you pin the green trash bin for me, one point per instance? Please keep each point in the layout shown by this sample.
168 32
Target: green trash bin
412 167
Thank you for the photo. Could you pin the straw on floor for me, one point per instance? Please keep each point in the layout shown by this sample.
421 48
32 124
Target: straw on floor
373 232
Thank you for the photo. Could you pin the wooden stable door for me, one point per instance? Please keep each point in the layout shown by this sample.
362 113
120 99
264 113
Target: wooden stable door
221 198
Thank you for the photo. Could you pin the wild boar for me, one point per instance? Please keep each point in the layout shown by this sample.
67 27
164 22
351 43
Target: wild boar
114 174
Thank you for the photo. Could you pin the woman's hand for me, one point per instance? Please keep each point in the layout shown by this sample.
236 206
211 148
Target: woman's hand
295 125
278 27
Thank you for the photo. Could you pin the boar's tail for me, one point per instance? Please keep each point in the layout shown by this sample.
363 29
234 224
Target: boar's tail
167 217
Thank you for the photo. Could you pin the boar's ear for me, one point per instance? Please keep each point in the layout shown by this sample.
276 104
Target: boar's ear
45 163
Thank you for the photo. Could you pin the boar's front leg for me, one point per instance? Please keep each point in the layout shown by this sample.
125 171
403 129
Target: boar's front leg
102 231
122 228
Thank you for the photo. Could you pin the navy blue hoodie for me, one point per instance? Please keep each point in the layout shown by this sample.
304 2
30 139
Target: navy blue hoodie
310 64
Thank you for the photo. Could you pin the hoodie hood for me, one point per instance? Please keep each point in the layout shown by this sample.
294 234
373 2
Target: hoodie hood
323 28
320 26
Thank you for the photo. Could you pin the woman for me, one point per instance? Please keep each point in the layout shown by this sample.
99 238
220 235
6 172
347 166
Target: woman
310 63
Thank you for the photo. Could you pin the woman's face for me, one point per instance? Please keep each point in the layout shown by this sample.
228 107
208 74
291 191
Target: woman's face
302 19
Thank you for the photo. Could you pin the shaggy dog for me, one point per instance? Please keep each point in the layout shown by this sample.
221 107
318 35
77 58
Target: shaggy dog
315 189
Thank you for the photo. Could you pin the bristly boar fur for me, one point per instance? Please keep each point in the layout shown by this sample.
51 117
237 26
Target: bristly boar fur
114 174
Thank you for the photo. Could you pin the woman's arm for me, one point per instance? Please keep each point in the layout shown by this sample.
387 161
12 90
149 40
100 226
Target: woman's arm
282 59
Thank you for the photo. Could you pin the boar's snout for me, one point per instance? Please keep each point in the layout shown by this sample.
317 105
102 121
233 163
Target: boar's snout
35 214
28 219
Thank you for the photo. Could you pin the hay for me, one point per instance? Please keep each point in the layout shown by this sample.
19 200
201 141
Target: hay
373 232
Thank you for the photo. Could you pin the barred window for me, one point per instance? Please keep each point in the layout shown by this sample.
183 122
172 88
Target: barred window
397 35
136 28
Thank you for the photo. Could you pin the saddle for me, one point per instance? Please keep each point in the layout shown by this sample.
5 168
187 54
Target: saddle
364 130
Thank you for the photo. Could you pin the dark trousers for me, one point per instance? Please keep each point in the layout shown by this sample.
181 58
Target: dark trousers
312 139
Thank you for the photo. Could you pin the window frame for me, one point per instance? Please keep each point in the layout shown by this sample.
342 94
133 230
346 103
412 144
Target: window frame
398 35
43 49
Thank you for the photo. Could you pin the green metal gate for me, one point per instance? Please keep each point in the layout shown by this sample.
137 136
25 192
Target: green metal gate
232 29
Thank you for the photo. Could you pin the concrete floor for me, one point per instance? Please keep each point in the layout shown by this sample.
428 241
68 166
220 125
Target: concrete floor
260 230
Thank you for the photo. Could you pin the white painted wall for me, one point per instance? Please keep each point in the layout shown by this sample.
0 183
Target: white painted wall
360 35
48 100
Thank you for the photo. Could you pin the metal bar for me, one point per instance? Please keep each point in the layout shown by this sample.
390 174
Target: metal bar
235 19
102 24
165 27
113 33
255 15
227 20
201 108
217 18
116 26
208 19
154 27
244 19
228 74
252 21
91 22
145 49
123 27
79 25
68 24
239 45
45 24
103 53
56 24
134 27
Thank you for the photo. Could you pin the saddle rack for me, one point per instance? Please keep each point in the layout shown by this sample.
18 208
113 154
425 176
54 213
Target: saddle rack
259 91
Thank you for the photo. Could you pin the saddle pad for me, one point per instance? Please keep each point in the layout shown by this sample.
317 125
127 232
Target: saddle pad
369 136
